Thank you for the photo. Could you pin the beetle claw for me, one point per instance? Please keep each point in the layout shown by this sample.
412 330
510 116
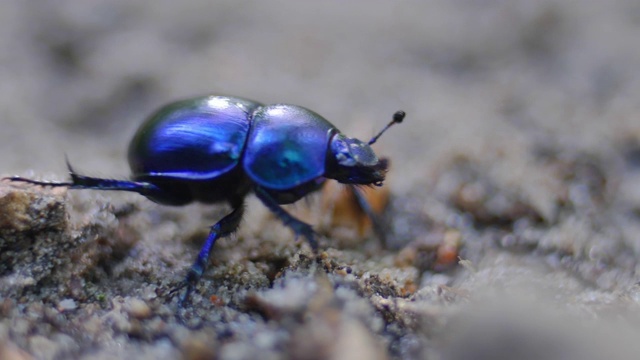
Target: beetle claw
310 235
187 285
306 231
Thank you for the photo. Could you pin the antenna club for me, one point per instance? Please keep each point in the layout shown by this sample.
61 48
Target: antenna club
398 116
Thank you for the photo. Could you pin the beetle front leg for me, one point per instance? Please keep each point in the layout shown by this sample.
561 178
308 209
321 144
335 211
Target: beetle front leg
364 205
298 227
225 227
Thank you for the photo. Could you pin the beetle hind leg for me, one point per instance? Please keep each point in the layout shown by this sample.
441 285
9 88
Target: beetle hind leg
298 227
86 182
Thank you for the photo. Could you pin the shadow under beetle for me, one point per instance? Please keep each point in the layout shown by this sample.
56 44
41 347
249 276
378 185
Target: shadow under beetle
220 148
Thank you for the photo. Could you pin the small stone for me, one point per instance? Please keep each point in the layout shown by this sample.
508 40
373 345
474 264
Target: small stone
9 351
67 305
43 348
30 208
356 341
197 346
137 308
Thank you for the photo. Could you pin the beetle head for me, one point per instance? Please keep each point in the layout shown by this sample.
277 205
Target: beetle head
352 161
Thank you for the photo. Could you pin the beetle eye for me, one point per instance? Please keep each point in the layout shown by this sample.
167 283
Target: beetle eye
340 149
345 160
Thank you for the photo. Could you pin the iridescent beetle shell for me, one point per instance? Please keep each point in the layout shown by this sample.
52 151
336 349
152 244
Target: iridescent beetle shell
194 139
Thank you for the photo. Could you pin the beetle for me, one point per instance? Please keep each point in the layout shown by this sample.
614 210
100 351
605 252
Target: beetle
215 149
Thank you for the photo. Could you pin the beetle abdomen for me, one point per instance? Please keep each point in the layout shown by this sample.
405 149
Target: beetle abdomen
196 139
287 146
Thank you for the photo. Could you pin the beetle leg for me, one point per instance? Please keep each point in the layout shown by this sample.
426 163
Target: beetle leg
375 219
298 227
85 182
225 227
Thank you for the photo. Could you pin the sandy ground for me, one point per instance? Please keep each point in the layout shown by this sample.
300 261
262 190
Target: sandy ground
520 154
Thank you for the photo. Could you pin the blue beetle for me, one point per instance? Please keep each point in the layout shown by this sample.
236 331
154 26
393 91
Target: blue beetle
220 148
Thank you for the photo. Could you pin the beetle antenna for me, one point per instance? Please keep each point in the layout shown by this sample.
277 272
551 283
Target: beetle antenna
398 116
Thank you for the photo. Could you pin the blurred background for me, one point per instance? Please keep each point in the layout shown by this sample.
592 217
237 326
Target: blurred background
532 105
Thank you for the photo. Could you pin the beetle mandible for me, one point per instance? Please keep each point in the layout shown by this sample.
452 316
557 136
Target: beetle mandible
220 148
